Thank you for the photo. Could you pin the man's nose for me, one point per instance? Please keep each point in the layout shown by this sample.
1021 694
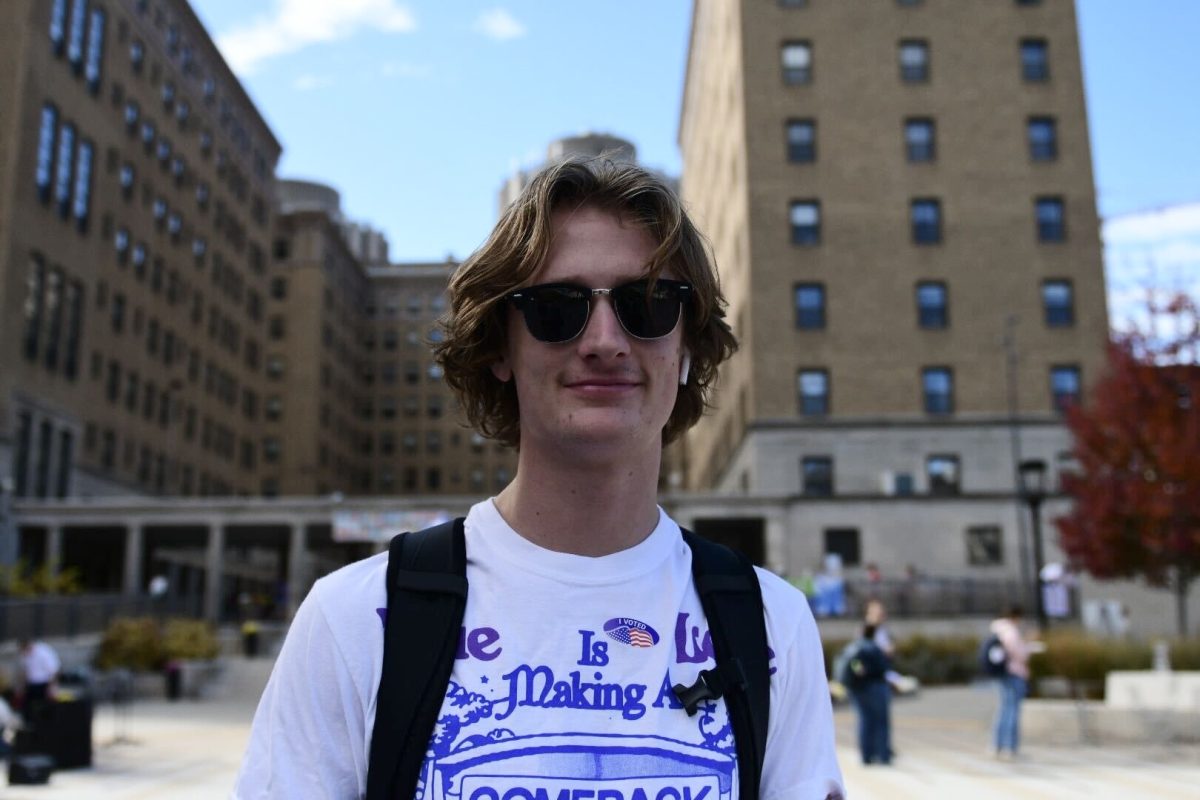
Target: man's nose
604 336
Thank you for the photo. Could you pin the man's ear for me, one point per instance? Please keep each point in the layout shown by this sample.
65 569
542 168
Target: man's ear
502 369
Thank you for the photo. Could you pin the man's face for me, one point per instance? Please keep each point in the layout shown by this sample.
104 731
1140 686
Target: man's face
604 390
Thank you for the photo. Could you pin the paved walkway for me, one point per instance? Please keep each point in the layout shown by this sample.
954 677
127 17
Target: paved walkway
191 750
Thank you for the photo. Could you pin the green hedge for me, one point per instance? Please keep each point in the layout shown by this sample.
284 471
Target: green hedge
1069 654
143 644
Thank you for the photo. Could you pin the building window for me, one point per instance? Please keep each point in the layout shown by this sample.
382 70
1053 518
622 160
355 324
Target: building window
801 141
806 222
75 37
45 151
433 479
813 389
82 205
1035 60
1059 303
74 308
793 3
942 474
132 114
938 386
62 178
127 177
932 311
985 547
926 218
1051 219
34 306
919 140
844 543
816 474
137 55
1043 139
58 25
810 306
1064 386
95 51
796 60
278 288
271 449
914 61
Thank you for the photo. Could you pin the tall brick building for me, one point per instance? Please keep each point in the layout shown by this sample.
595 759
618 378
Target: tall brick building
900 199
135 215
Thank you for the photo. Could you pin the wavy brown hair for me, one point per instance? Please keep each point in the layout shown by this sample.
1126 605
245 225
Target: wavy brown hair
475 326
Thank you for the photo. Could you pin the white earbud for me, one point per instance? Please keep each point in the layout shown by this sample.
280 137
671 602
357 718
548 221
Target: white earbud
685 365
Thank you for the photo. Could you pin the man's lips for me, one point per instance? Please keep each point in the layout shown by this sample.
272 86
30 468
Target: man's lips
602 383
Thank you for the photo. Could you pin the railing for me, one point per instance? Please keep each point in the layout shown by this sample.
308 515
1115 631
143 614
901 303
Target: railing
927 597
73 615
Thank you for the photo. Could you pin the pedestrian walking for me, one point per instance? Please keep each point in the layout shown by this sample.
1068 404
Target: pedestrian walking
1013 683
40 666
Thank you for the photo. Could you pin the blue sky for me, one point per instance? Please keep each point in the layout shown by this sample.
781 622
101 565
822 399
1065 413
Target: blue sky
417 110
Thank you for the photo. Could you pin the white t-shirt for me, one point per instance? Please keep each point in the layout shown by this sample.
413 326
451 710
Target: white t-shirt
40 663
561 688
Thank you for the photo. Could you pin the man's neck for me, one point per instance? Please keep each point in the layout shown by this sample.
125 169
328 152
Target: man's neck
585 509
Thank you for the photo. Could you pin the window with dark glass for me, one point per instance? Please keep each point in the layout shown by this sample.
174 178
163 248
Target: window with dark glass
95 50
812 387
816 473
62 178
1035 60
132 113
1064 386
844 543
54 317
41 476
82 206
938 386
914 60
919 140
34 306
796 60
1051 219
137 54
1059 303
45 151
149 131
942 474
985 546
74 308
76 33
127 178
117 313
810 306
801 141
1043 139
926 217
805 218
932 310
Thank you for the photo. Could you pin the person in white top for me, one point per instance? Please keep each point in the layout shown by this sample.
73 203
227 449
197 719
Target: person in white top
1014 685
587 332
40 666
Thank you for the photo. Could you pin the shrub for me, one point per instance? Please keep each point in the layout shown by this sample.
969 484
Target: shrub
132 643
189 639
938 660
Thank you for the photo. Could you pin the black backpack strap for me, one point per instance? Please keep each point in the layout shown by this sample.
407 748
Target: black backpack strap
427 595
732 601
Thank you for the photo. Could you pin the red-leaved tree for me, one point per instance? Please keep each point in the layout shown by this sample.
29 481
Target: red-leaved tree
1136 492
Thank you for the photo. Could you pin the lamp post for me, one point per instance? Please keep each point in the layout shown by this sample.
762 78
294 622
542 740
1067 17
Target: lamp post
1033 492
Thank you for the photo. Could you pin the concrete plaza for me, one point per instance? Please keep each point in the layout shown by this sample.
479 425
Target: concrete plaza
191 750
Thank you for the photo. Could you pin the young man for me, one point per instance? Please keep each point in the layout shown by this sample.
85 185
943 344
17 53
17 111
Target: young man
586 332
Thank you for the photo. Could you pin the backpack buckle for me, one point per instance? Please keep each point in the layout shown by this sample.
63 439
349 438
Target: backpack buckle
710 685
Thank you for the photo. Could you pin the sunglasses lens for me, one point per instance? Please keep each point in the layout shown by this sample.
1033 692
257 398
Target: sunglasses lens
555 313
646 313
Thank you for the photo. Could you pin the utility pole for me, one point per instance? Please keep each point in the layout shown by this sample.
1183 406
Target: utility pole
1014 435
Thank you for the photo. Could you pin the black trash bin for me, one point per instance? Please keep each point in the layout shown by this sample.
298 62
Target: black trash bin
250 639
174 674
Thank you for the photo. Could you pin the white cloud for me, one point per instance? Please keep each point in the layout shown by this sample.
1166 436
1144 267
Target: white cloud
395 69
295 24
498 24
1180 220
306 83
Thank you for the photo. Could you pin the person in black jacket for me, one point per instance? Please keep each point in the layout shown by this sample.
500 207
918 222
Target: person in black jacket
867 669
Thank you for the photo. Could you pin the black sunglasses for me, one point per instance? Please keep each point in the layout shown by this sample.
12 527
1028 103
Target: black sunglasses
558 312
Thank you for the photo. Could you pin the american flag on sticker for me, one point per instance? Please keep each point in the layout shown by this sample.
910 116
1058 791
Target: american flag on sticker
632 632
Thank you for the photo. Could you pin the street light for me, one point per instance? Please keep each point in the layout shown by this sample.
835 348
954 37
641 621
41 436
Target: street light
1033 492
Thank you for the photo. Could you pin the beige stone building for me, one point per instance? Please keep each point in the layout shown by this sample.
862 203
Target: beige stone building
422 445
135 216
900 199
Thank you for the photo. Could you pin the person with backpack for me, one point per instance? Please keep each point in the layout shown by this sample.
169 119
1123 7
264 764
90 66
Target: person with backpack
567 638
1005 657
862 669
